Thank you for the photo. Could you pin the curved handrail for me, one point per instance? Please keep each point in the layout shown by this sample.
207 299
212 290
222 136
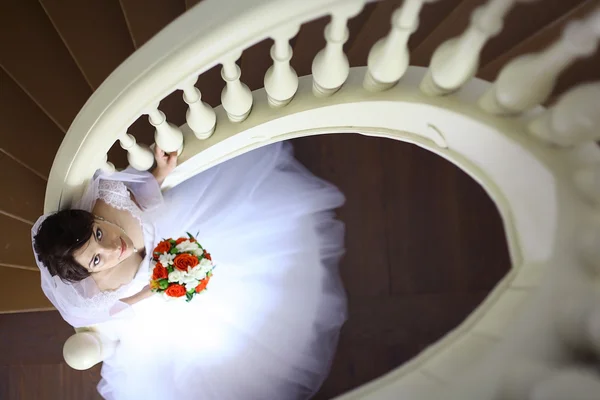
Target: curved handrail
184 49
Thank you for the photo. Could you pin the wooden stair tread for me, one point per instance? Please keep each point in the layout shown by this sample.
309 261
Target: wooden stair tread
24 293
15 237
34 55
145 18
25 198
26 123
95 33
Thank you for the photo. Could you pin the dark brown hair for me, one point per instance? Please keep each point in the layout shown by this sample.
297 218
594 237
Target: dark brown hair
59 236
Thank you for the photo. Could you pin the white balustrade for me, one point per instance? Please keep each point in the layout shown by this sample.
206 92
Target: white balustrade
281 81
330 67
573 119
167 136
587 181
236 96
107 166
139 157
456 61
389 57
200 117
528 81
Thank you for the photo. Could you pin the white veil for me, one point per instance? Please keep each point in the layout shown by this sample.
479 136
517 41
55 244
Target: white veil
82 303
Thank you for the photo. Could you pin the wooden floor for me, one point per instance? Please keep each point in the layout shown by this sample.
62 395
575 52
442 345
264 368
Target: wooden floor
425 244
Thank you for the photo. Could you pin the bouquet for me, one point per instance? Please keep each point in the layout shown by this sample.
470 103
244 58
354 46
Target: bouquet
180 267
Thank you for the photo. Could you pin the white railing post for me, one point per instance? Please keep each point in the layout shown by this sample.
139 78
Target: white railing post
139 157
574 119
236 97
167 136
281 81
389 57
528 81
200 117
330 67
456 60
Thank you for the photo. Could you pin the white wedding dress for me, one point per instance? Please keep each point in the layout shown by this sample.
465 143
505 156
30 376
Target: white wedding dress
267 326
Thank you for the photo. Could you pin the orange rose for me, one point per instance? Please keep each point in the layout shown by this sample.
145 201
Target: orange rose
183 261
207 255
175 290
202 285
180 240
159 272
162 247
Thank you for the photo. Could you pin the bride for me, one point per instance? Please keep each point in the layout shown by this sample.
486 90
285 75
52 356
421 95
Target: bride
267 325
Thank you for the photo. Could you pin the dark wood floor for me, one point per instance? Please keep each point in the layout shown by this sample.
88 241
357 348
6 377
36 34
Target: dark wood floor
425 244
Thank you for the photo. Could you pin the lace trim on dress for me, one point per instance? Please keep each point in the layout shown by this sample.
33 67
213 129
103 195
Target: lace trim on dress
116 194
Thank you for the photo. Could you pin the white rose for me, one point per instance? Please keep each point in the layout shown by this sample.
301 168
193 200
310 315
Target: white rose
200 271
189 247
176 276
166 259
191 285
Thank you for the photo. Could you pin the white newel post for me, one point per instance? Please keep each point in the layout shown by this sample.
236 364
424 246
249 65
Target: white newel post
574 119
200 117
456 60
167 136
389 57
528 81
330 67
236 97
83 350
281 81
139 157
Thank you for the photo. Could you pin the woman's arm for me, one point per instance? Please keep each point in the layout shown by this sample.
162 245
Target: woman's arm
139 296
165 164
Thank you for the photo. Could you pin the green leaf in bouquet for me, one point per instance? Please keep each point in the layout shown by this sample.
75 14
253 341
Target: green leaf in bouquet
170 268
163 284
189 296
173 250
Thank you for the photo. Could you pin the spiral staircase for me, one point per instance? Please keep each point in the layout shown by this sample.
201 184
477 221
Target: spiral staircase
539 165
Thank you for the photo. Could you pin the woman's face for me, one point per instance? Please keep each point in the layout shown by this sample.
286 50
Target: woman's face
105 249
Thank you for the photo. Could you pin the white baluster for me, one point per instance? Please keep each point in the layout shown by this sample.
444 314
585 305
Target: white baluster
107 166
389 57
528 81
167 136
574 119
236 96
281 81
456 61
587 181
140 157
200 117
330 67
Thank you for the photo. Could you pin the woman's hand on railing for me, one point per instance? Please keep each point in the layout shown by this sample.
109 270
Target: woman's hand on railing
165 164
